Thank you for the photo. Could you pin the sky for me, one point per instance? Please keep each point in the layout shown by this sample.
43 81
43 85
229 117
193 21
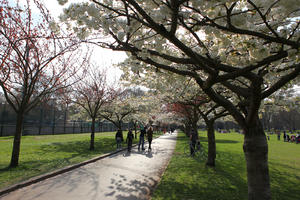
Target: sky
101 57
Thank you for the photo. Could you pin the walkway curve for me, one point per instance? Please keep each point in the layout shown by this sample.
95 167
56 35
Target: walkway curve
117 177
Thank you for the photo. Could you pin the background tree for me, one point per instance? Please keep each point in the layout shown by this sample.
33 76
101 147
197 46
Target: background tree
119 109
91 93
249 47
34 62
146 105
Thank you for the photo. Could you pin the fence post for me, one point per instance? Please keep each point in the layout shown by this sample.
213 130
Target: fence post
65 119
41 121
53 121
73 126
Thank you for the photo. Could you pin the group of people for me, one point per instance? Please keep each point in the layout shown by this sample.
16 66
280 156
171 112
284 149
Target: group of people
292 138
288 138
145 132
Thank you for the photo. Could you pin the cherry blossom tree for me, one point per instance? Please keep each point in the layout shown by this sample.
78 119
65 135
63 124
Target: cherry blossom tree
34 62
191 104
119 110
250 47
91 93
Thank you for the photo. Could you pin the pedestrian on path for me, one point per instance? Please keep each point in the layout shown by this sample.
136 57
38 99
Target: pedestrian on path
142 139
193 141
150 136
119 138
129 140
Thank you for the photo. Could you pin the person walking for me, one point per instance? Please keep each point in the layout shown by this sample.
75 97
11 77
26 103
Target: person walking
142 139
119 138
193 141
150 136
129 140
278 135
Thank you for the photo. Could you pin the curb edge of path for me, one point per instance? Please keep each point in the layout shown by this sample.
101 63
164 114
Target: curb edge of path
42 177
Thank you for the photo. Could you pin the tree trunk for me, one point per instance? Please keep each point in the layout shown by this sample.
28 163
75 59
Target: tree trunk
256 154
211 156
92 143
187 129
17 141
195 127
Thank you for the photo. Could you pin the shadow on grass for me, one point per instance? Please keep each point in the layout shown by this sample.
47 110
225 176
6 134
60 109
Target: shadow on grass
187 178
284 184
46 154
204 139
102 145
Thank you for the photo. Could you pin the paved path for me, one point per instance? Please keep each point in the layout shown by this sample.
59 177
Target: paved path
120 176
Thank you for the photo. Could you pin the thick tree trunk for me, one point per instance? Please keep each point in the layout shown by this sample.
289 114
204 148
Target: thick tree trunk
14 162
256 154
211 156
92 143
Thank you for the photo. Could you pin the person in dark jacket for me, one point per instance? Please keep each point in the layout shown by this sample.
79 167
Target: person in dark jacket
150 136
193 141
129 140
119 138
142 139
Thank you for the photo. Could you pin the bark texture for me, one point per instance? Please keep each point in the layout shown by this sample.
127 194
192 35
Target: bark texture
14 162
256 154
92 142
211 156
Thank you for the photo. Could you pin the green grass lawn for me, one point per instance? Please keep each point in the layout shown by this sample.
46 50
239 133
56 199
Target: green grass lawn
186 178
42 154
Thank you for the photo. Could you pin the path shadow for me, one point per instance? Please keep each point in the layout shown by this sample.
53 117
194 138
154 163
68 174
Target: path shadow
71 182
122 188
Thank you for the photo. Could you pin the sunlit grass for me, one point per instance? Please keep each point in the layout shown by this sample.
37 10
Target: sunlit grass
42 154
186 178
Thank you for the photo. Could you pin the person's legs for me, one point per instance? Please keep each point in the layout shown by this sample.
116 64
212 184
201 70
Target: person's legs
129 145
117 141
140 141
143 142
150 141
192 146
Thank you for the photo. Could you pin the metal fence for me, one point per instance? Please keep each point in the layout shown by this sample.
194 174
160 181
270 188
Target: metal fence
57 128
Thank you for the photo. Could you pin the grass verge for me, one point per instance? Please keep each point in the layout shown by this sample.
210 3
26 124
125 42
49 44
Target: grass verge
186 178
